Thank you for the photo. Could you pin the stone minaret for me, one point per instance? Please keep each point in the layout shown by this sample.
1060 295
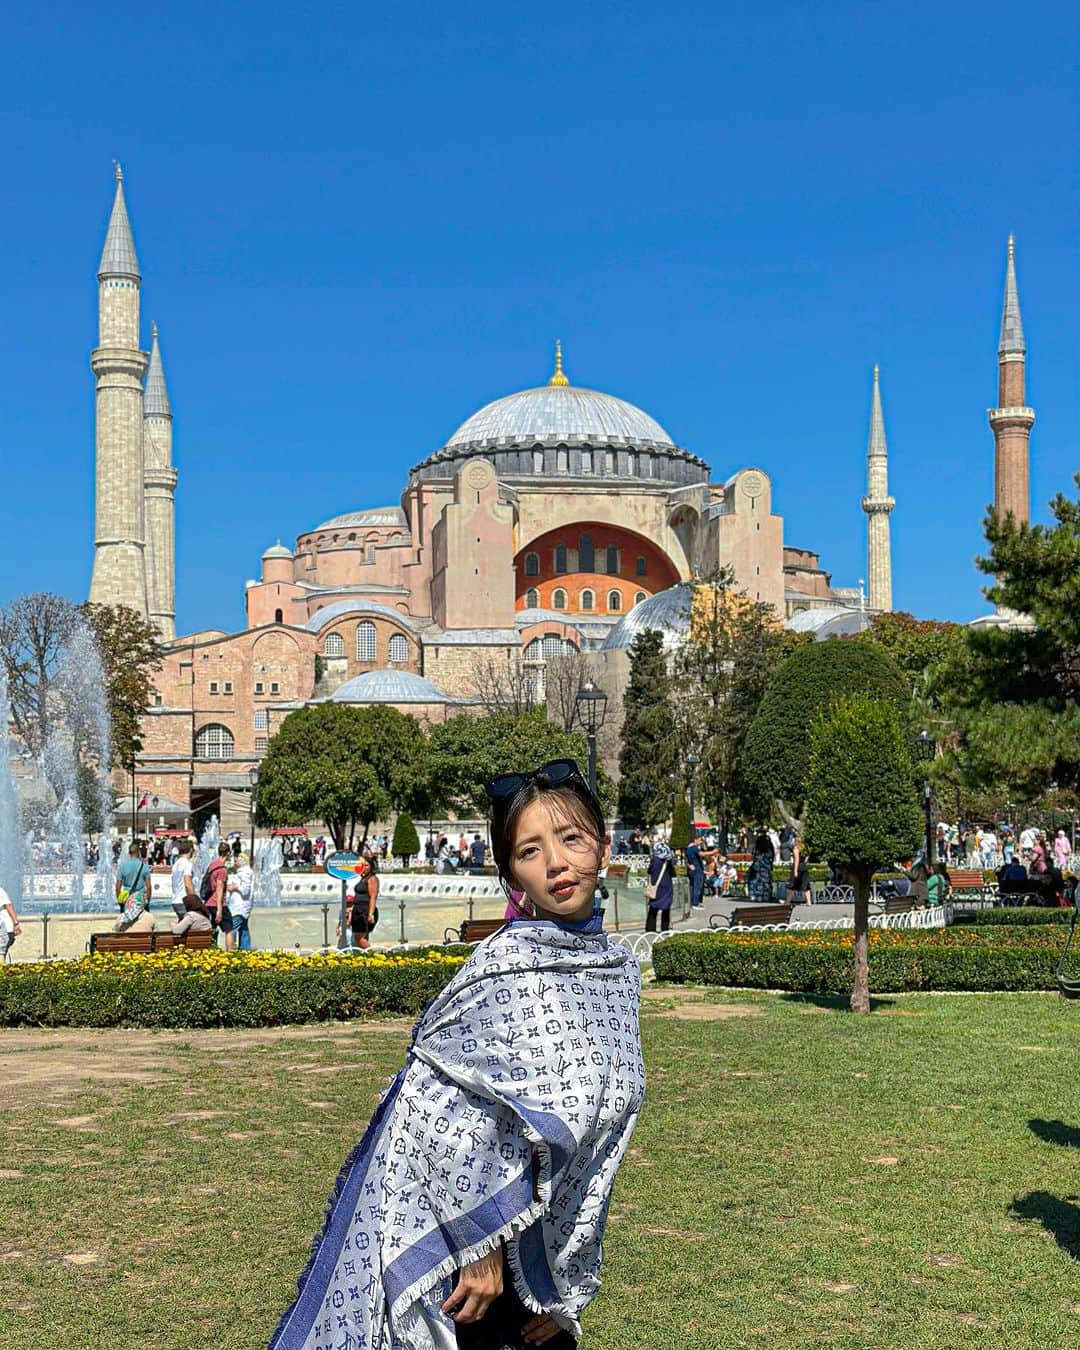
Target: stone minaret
1011 421
159 478
878 505
119 530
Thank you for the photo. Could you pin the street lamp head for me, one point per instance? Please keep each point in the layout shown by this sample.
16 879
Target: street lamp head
925 743
692 761
154 802
253 774
591 706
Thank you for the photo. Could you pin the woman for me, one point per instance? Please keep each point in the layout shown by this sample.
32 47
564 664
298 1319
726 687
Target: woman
363 916
196 918
1062 849
240 894
1038 856
660 889
800 874
471 1213
759 873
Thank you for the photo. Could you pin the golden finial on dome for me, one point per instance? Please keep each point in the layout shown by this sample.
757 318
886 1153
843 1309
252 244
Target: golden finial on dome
558 379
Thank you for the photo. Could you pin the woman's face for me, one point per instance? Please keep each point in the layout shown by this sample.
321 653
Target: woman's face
554 861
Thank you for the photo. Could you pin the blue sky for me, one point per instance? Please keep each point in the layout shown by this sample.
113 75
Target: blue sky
357 224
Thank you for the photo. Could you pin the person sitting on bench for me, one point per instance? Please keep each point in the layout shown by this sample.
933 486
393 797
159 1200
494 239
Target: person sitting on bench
196 918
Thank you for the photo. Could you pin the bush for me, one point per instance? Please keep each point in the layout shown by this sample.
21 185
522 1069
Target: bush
213 988
1011 918
822 962
406 842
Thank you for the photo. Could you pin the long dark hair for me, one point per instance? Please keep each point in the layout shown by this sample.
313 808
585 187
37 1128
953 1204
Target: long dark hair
763 847
573 796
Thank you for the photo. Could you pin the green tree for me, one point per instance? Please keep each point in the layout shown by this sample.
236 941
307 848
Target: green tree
345 766
131 651
861 802
680 825
719 677
649 751
464 753
406 842
1017 689
777 753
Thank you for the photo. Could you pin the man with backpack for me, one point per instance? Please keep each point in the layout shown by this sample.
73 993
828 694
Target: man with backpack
212 893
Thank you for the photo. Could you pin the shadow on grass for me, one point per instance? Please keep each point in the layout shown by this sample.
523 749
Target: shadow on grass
1060 1218
836 1002
1056 1132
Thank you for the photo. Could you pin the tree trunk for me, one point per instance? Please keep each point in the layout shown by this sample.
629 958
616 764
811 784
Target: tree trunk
860 995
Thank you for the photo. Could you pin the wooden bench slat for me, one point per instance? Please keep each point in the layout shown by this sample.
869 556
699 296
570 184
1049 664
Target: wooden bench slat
755 916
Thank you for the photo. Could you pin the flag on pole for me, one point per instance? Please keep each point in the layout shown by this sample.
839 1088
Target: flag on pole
142 802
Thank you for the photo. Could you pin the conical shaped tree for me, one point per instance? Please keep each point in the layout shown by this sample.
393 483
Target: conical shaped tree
406 842
648 751
862 803
680 825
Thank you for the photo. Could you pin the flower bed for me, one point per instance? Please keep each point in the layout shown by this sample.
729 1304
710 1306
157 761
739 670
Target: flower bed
212 988
999 958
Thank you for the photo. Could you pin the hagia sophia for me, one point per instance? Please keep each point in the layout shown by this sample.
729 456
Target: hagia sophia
554 519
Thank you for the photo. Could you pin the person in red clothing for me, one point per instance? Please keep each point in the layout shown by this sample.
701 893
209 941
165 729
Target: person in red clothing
218 874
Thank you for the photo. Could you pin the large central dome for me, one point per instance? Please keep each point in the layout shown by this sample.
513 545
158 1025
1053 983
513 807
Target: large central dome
560 412
559 431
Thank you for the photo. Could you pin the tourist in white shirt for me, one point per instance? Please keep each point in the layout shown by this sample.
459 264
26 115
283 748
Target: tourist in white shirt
241 901
183 877
10 928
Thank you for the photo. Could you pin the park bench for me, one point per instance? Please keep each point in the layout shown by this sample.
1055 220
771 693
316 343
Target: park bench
835 895
147 942
970 880
1017 892
754 916
896 904
473 930
618 872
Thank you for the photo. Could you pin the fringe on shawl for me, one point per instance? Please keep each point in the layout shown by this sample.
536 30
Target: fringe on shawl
277 1341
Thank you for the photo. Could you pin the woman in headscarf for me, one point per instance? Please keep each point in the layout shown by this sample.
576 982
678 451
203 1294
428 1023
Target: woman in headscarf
660 888
1062 849
759 874
471 1213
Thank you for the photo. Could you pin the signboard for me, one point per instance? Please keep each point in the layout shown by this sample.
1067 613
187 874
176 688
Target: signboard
345 866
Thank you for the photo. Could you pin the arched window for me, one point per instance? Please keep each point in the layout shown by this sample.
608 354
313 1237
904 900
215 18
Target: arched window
586 554
365 641
279 617
532 564
640 566
551 647
631 465
639 597
532 599
399 648
534 651
614 601
334 645
562 460
214 742
588 600
613 562
538 461
558 599
586 461
560 558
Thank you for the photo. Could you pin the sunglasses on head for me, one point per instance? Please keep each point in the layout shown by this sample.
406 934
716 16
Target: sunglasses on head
558 771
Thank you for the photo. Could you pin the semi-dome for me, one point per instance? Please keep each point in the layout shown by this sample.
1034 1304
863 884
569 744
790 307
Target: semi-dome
562 413
390 686
668 612
278 550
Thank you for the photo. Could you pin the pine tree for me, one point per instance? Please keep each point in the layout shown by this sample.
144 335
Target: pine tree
648 751
406 842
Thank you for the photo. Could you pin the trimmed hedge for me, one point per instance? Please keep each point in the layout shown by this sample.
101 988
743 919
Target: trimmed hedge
1011 918
1007 958
219 989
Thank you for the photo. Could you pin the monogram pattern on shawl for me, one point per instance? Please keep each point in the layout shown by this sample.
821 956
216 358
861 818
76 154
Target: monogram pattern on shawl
508 1123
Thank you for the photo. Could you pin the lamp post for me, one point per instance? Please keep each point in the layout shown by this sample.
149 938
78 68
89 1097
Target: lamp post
590 706
254 776
926 746
692 761
153 802
1053 810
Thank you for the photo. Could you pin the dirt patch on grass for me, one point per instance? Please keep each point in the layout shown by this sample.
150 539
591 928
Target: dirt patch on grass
691 1005
44 1066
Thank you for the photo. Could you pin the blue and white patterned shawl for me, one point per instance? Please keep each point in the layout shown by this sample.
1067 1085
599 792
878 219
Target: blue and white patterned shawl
507 1123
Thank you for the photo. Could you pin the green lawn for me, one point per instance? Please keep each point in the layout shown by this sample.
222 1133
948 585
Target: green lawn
800 1177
